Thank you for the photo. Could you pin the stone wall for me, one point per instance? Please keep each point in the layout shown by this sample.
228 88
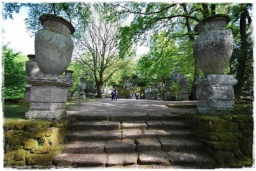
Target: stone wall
227 138
33 143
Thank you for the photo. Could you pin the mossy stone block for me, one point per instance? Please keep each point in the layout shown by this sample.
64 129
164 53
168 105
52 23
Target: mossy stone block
43 149
246 146
62 123
17 147
9 126
44 132
243 119
16 139
245 125
8 134
15 163
20 155
226 146
20 125
247 132
215 124
213 136
220 156
9 155
31 126
30 144
41 159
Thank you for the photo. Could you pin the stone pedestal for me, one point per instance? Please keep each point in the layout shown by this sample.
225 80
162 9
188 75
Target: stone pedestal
27 93
48 95
168 96
215 94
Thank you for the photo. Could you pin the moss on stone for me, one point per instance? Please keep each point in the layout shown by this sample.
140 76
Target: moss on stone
243 118
45 132
24 140
31 126
43 149
9 155
9 126
226 146
17 147
246 146
247 132
62 123
42 159
16 139
213 136
20 155
245 125
215 124
221 157
241 163
30 144
8 134
15 163
20 125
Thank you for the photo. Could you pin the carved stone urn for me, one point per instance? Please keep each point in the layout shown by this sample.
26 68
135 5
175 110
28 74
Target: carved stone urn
53 44
214 46
32 68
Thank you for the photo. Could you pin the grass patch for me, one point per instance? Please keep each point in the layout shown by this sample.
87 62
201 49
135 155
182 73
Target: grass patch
15 111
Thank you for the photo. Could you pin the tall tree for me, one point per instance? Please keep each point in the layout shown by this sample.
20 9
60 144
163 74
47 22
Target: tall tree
243 60
97 47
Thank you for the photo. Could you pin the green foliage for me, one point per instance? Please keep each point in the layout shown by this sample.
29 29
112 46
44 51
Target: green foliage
164 57
14 73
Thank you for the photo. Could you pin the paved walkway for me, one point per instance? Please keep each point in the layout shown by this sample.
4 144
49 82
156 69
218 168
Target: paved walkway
130 106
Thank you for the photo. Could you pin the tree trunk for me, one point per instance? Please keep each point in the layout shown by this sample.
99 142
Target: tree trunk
240 75
98 89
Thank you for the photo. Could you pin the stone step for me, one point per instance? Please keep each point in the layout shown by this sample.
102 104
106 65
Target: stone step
127 117
151 157
97 135
115 125
94 135
80 160
131 145
84 147
144 139
180 144
197 159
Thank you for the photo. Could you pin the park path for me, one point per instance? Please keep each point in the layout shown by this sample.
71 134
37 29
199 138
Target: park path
129 107
131 133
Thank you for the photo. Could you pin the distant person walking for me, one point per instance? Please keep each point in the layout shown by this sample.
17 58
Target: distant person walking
137 95
115 94
112 94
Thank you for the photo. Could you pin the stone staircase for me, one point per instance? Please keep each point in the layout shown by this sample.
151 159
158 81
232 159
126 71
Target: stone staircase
132 140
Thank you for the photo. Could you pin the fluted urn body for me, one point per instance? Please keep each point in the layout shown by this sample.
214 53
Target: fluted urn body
214 46
53 44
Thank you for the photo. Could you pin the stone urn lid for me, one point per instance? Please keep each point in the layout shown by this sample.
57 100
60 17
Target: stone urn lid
48 20
209 22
